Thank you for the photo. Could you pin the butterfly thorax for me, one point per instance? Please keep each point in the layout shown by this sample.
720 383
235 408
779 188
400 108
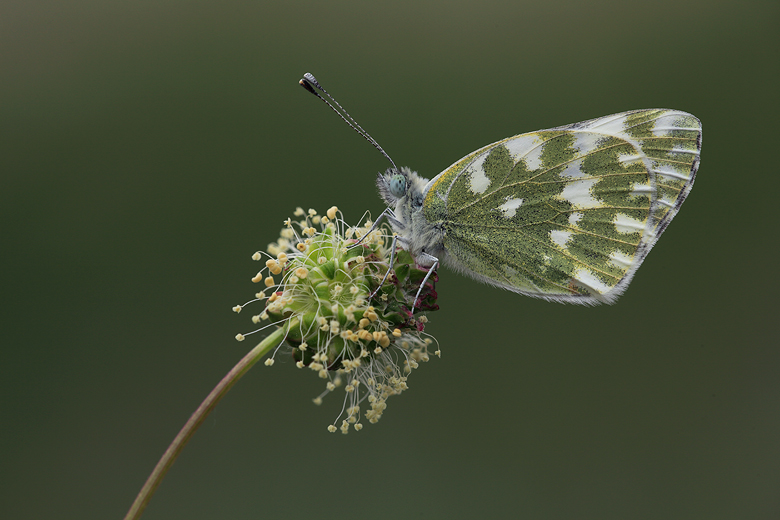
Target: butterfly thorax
423 239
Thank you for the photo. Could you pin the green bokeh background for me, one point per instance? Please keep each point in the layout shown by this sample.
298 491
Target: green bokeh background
148 148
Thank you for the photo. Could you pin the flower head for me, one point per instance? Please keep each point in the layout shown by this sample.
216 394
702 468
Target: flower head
322 287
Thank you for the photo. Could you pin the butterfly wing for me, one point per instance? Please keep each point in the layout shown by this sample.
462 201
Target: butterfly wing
567 214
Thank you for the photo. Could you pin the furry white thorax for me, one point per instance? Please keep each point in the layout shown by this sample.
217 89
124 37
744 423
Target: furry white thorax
423 239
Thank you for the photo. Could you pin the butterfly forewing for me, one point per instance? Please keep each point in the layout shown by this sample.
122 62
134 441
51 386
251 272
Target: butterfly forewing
567 213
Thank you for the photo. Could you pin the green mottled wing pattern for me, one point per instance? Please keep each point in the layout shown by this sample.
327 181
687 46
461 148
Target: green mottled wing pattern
569 213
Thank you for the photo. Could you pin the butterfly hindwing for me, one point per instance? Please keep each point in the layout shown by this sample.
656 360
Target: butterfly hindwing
568 213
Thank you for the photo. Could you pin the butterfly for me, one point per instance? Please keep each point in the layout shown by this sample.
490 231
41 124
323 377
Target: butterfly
566 214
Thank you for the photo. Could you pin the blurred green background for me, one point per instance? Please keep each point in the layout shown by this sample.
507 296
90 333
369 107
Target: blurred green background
148 148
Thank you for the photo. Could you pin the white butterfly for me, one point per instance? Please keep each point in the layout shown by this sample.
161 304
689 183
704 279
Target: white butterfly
566 214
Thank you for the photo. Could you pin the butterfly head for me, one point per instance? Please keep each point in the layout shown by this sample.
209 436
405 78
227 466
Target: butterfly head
400 184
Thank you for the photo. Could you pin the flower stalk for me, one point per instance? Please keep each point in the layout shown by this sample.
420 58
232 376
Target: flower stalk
341 310
197 418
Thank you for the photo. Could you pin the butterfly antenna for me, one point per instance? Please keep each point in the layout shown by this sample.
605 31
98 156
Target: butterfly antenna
310 83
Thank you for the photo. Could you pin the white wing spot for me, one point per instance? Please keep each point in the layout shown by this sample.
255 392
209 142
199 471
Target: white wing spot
519 146
671 172
572 170
510 207
641 190
625 224
560 237
578 193
615 127
479 181
588 279
677 149
585 142
627 159
620 260
533 159
575 217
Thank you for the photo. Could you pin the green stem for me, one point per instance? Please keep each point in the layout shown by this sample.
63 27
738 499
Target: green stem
170 455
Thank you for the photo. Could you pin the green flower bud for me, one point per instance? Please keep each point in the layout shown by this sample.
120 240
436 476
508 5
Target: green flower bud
337 319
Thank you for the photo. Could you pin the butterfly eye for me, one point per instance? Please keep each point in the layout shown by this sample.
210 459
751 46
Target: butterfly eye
398 185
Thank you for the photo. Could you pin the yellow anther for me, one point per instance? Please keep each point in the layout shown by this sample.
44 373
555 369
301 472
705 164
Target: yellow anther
331 428
301 247
269 362
258 277
237 308
257 256
239 337
269 281
302 272
397 333
332 212
298 212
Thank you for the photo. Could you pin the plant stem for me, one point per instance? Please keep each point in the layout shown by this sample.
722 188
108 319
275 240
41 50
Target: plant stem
170 455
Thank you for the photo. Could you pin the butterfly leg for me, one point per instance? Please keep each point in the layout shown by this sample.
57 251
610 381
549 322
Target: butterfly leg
431 270
389 215
389 267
